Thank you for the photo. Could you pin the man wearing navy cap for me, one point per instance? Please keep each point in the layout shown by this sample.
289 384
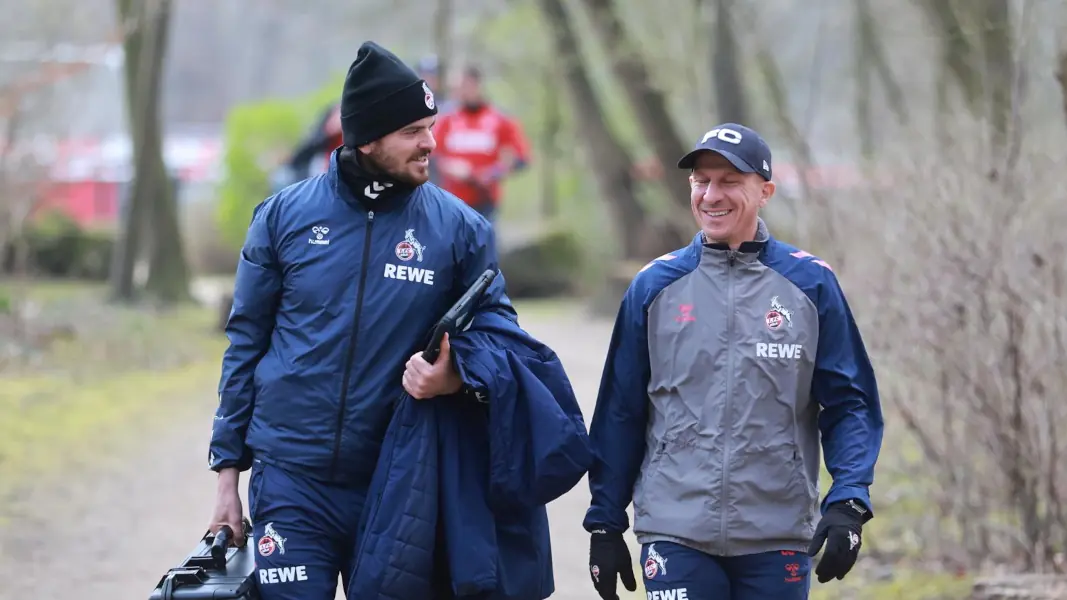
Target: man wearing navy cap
733 362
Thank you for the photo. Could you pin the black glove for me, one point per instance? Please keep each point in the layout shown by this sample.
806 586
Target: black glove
841 528
609 557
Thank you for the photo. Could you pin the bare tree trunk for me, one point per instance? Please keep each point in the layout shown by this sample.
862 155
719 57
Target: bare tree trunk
151 204
134 216
958 49
1015 435
894 94
648 103
9 209
730 95
610 161
864 118
442 35
550 141
804 160
19 198
871 59
168 274
1000 77
1061 77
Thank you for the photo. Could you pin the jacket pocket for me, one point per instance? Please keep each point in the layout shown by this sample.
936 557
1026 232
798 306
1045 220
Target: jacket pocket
678 493
770 496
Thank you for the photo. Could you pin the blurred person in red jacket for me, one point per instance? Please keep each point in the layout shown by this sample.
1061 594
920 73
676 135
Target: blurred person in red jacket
477 146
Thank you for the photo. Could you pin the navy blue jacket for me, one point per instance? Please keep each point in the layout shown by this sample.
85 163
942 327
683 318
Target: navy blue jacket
330 301
461 480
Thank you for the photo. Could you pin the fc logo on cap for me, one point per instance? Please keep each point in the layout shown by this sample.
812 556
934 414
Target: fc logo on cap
726 135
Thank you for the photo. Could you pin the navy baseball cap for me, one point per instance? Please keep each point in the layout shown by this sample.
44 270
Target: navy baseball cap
743 147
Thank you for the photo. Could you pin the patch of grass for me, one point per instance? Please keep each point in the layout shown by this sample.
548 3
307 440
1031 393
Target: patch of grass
905 585
50 290
117 371
129 339
49 421
74 331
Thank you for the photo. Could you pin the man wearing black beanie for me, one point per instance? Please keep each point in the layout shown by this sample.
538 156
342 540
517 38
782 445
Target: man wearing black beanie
339 281
386 115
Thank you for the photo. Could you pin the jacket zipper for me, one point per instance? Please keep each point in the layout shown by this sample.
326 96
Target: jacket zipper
730 258
351 353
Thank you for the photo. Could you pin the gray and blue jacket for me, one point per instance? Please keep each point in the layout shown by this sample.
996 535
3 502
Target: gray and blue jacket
724 369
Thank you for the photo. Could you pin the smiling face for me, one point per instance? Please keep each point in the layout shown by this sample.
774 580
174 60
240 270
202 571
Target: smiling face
725 201
404 154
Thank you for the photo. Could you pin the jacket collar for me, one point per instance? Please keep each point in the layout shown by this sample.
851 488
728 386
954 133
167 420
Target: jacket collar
750 250
370 193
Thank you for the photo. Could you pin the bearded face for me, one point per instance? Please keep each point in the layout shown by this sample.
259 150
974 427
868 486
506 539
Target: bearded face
404 155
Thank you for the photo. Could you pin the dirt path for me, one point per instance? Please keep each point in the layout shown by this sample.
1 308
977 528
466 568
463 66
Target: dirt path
107 530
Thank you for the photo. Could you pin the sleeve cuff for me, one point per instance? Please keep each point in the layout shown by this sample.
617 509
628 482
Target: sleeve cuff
597 518
849 492
242 464
475 394
471 389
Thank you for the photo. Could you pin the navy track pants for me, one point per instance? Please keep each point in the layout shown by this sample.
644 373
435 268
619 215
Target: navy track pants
674 572
305 533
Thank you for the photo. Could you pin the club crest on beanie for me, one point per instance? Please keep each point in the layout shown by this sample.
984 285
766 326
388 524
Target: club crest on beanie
381 94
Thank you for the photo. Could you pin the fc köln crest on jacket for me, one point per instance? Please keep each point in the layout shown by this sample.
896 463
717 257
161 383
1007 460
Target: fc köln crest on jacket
778 315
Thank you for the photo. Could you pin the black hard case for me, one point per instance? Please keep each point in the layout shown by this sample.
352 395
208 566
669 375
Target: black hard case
228 573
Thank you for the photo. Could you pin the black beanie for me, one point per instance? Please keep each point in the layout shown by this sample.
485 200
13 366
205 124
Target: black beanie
381 95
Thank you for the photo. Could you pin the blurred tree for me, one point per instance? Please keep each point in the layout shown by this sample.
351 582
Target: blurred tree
958 55
977 52
1001 77
20 171
871 60
799 146
730 96
258 136
1061 77
550 141
610 161
150 205
442 34
648 103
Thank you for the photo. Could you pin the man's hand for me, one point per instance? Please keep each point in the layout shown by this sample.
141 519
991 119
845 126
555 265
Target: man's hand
228 509
423 380
841 528
609 560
